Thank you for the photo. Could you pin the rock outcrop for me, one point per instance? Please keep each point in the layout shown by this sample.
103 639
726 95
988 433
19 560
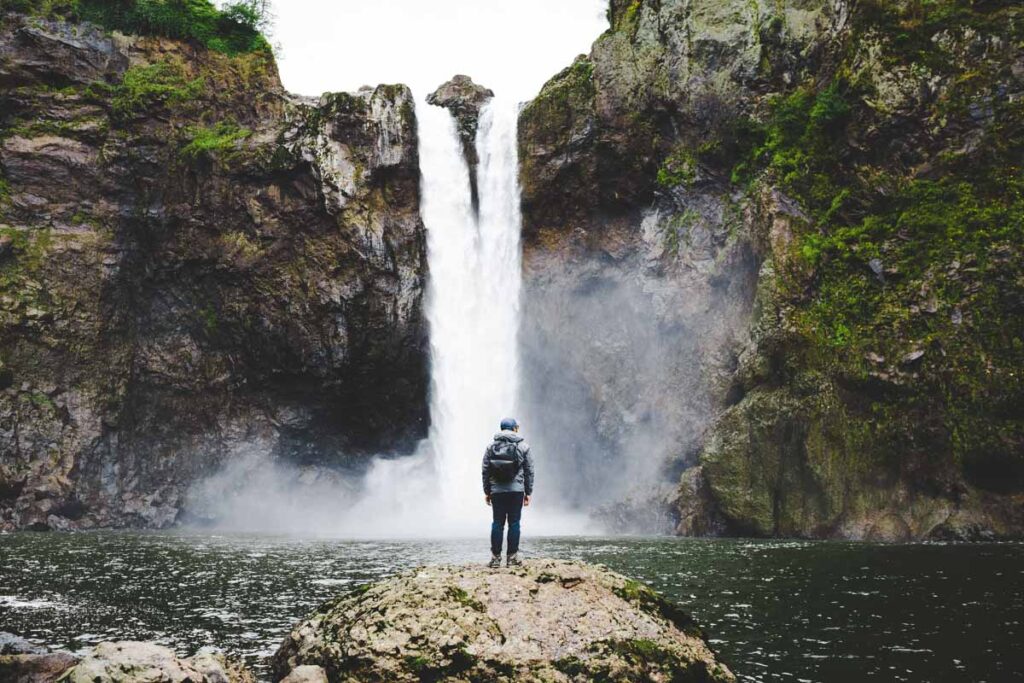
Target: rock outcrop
195 266
123 662
136 662
464 99
546 621
777 246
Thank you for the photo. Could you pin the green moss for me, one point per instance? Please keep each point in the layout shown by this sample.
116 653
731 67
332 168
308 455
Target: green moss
678 168
233 29
458 661
802 144
39 126
219 140
651 602
239 243
417 663
20 273
164 84
41 400
676 229
569 91
895 261
642 649
208 319
465 599
627 20
570 666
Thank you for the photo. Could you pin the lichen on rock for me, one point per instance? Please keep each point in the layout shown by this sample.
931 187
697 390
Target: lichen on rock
546 621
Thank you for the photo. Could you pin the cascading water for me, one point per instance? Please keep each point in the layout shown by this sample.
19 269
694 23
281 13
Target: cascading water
473 297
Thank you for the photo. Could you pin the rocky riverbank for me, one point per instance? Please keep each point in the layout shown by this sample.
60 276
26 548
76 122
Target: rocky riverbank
546 621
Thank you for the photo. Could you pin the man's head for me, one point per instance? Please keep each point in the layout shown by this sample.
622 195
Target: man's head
509 424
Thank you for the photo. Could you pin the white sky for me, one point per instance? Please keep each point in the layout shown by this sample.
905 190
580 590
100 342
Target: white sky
510 46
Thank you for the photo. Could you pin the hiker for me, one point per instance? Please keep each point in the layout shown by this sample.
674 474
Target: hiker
508 485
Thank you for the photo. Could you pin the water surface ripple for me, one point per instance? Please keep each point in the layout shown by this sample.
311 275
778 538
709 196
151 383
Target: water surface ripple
774 610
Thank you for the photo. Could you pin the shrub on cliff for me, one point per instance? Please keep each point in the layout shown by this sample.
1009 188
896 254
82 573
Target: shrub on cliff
235 29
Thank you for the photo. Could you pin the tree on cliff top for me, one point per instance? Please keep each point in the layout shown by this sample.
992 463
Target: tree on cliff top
236 28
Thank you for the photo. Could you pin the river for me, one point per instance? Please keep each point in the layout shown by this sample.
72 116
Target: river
825 612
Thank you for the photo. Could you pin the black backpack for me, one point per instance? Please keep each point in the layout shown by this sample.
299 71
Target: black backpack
505 461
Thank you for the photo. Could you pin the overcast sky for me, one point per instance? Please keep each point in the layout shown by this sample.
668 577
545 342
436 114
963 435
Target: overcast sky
510 46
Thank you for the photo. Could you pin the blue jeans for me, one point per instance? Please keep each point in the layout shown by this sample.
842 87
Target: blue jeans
506 505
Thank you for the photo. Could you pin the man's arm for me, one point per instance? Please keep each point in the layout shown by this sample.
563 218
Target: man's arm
485 470
527 472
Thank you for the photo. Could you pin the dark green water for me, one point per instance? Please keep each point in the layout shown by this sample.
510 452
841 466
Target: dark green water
775 610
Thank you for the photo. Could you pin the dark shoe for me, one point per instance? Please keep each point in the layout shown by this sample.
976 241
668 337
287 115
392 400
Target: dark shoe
514 561
495 562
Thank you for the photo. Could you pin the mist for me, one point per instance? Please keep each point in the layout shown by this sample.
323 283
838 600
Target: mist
627 359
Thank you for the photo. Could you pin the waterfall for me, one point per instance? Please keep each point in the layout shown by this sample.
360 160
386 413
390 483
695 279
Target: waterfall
472 305
473 295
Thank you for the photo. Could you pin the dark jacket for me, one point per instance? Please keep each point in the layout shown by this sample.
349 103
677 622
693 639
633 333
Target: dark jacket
523 483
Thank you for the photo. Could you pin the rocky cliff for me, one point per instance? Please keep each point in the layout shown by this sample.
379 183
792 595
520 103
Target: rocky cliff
195 266
776 246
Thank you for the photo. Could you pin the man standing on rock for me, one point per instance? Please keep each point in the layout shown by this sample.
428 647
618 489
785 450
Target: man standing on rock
508 485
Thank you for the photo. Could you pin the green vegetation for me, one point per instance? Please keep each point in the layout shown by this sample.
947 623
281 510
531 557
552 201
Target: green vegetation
651 602
679 168
417 663
219 140
570 91
676 228
910 281
19 272
235 29
464 598
39 125
41 400
163 83
625 20
208 318
803 145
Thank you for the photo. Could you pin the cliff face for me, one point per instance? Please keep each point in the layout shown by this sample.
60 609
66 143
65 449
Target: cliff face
464 99
777 245
194 265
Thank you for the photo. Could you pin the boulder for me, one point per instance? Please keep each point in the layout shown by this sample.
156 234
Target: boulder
135 662
464 99
307 673
549 620
11 644
35 668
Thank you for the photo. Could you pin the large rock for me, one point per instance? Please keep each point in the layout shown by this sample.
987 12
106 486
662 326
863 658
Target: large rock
37 668
118 662
464 99
197 267
11 644
547 621
136 662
